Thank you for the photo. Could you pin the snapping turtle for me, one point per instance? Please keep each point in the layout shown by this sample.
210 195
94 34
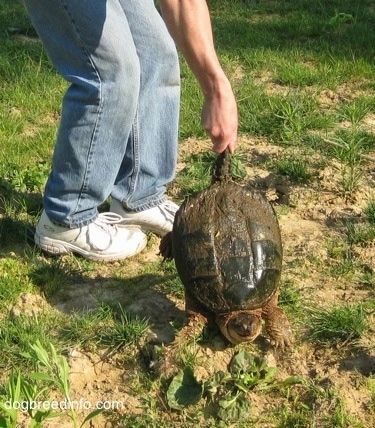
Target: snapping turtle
228 253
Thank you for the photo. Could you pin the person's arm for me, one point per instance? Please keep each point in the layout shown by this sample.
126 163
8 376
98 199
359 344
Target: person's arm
189 23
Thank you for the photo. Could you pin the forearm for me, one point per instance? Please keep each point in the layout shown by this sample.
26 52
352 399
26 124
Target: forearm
189 23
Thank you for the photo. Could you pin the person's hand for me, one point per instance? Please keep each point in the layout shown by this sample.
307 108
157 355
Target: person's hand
220 119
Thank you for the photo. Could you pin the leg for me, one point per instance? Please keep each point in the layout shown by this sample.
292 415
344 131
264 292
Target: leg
153 150
91 45
277 324
170 360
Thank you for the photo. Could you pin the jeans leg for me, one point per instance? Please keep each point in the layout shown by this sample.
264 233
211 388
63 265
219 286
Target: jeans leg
90 43
154 137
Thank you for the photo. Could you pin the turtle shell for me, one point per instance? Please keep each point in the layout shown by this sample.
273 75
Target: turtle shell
227 248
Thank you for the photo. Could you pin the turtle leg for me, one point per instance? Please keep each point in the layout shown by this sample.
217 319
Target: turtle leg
277 324
197 318
166 246
171 357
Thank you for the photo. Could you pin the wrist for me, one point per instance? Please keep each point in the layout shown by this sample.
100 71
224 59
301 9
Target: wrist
216 86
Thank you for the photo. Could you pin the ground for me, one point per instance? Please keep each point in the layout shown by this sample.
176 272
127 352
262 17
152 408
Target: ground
310 215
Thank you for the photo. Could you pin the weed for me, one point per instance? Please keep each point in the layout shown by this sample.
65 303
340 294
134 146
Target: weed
51 275
343 268
369 211
302 409
341 250
339 417
340 19
292 119
228 390
171 283
295 166
13 279
198 173
17 332
349 147
9 416
31 179
297 415
371 387
85 327
359 233
199 170
354 113
290 297
188 355
23 392
348 152
367 279
343 262
127 329
338 249
337 324
184 390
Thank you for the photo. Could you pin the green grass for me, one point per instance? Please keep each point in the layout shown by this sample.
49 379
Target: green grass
198 173
296 166
338 324
303 73
300 412
370 211
360 233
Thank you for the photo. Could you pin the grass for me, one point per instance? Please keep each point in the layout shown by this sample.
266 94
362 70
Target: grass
295 166
338 324
370 211
301 412
303 73
198 173
360 233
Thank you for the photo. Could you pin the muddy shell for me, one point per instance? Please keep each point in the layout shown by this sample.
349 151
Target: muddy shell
227 248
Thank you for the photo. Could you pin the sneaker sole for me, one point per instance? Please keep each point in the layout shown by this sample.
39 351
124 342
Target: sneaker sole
56 247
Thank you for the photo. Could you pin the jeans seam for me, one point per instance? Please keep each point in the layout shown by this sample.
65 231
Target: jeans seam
150 203
136 160
85 181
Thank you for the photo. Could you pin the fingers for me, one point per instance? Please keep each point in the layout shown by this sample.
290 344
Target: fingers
224 133
219 145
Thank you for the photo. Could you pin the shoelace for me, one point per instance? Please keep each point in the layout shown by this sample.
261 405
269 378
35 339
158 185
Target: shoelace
109 218
108 221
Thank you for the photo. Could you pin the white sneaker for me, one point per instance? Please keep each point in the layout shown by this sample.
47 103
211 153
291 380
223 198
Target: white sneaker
158 219
99 240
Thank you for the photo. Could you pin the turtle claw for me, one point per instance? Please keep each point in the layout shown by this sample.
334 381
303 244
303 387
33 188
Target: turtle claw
283 341
278 328
166 247
165 360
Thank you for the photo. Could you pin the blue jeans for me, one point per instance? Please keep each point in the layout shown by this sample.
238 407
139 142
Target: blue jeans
119 125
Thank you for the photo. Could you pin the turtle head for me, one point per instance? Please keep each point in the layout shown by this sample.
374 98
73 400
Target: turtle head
240 326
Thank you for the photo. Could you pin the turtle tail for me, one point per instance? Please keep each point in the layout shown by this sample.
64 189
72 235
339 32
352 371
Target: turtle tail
222 167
